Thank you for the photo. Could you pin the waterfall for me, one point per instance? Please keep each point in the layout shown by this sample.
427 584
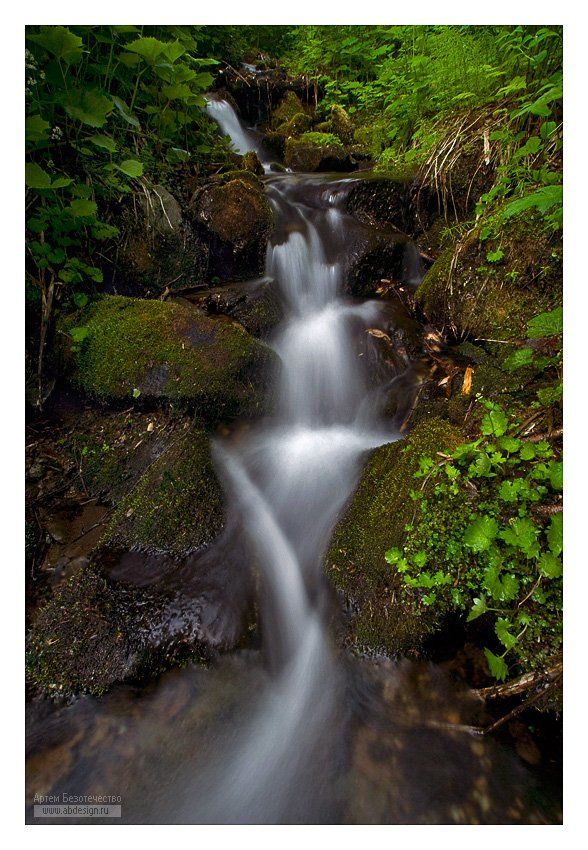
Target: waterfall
286 483
242 139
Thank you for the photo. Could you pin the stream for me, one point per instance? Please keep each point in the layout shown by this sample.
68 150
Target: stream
295 731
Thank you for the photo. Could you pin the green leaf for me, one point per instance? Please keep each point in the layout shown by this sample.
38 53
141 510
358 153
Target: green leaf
550 565
509 444
518 359
36 129
480 533
60 42
494 423
543 200
80 299
392 556
79 334
81 208
556 475
502 633
104 142
149 49
546 324
35 177
136 393
88 106
131 167
550 395
522 533
125 112
496 665
555 533
478 608
495 256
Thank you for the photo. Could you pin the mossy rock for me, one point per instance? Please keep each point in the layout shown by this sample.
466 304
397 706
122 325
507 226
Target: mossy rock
387 618
341 124
252 163
489 299
316 152
158 350
298 124
176 505
236 211
289 106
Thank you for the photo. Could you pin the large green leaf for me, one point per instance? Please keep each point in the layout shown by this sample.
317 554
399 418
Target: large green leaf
149 49
36 129
89 106
550 565
555 533
546 324
522 533
104 142
81 208
502 633
131 167
494 423
60 42
126 112
36 177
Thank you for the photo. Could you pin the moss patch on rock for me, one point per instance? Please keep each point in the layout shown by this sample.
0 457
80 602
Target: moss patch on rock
387 618
235 210
489 288
157 350
316 152
289 106
176 506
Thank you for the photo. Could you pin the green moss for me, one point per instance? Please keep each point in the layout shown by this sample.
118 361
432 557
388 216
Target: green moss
176 506
342 124
321 139
298 124
485 299
374 522
289 106
164 350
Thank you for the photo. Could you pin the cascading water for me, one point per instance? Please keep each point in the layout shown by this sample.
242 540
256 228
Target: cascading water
292 739
242 139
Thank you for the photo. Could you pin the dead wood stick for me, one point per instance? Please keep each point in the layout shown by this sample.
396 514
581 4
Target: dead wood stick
523 683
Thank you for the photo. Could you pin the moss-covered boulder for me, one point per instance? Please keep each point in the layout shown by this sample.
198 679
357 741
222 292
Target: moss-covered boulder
289 106
132 348
386 618
175 506
497 277
236 219
316 152
298 124
342 124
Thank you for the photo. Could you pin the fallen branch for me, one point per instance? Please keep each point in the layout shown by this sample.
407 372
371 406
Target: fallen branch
522 684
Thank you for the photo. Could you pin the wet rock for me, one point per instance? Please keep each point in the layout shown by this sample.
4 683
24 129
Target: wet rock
156 350
158 248
98 629
317 152
250 162
254 304
236 218
387 618
381 201
479 298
